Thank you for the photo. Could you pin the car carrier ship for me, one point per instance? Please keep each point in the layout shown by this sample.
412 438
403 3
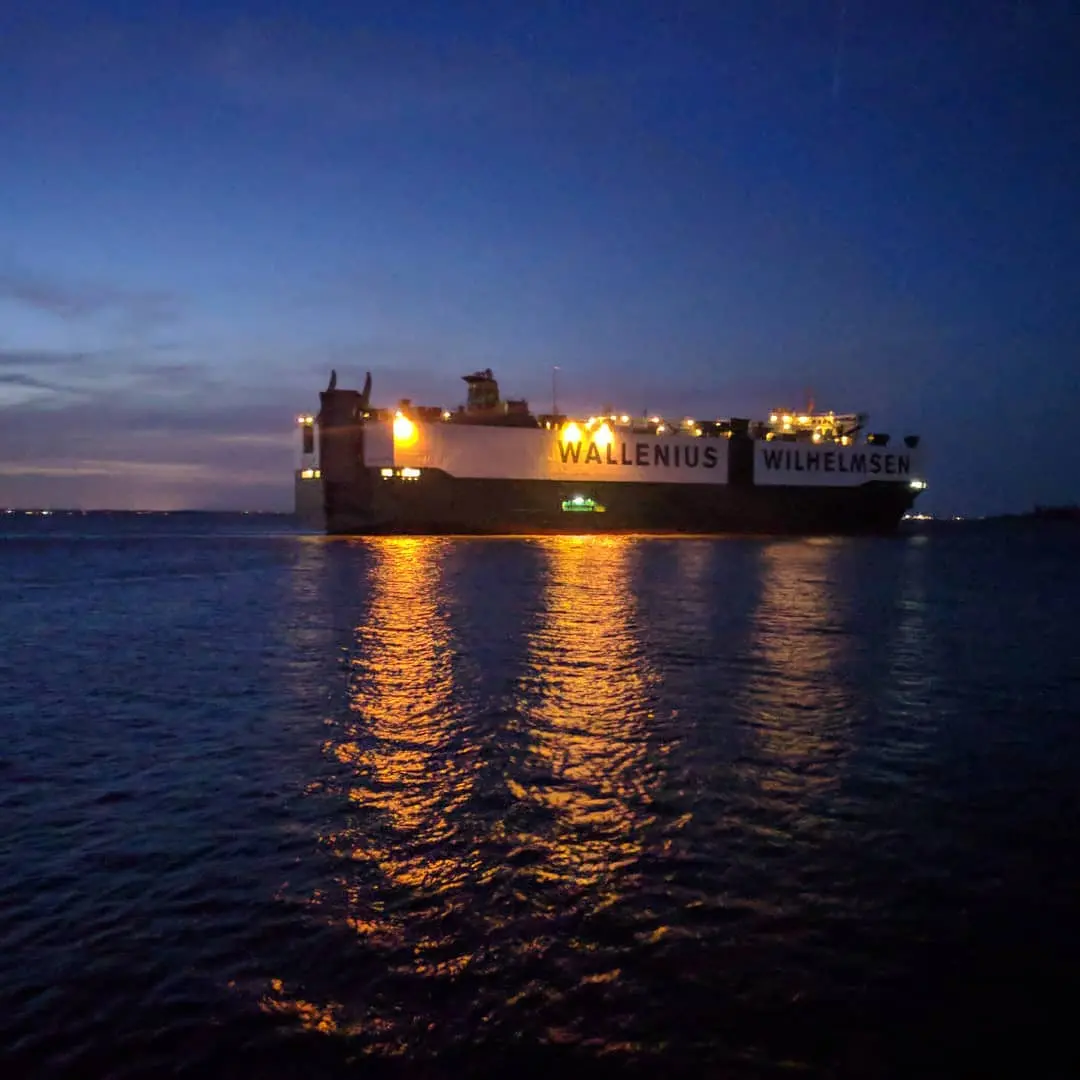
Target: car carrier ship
493 466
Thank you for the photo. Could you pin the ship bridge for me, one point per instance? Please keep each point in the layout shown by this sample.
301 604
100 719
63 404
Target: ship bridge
816 427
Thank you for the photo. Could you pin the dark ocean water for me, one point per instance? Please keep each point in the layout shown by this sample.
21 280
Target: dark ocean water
274 805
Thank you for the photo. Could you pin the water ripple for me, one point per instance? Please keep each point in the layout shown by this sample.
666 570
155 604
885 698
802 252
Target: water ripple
283 805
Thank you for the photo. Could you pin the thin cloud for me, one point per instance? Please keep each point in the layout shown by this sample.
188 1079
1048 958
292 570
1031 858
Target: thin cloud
364 78
101 384
139 310
166 436
112 451
32 358
126 425
271 442
27 382
172 472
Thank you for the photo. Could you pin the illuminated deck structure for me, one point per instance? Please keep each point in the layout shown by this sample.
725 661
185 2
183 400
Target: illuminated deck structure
493 466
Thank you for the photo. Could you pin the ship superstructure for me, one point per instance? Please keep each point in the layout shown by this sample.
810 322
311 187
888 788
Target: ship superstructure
493 466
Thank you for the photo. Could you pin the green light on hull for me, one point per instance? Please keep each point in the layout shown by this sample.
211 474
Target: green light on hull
579 504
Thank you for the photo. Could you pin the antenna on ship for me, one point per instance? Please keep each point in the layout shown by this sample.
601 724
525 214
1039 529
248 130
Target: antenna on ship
554 391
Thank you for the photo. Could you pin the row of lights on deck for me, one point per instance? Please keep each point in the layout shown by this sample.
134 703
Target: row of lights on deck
791 422
571 432
688 423
404 426
405 430
599 427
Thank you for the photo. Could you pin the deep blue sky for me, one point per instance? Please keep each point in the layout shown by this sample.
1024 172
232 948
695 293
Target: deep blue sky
703 207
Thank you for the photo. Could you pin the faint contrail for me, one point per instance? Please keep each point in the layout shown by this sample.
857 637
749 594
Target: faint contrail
838 51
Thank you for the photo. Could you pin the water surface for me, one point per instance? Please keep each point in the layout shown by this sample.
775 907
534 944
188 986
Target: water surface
274 804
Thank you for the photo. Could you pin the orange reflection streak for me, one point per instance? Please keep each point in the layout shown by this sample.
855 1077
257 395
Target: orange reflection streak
306 1014
591 723
330 1019
798 697
399 742
396 839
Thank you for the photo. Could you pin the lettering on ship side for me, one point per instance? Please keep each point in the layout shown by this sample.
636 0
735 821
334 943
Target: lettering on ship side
641 454
833 461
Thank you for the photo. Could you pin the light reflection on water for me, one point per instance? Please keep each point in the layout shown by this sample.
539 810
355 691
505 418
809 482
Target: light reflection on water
910 681
401 695
445 890
398 780
590 716
645 797
408 772
437 888
799 704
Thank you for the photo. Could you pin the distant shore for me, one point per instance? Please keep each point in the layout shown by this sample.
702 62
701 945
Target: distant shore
50 512
1040 514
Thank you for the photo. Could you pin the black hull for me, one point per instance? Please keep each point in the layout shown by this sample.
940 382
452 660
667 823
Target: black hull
436 503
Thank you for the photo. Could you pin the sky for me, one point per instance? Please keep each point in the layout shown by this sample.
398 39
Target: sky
688 206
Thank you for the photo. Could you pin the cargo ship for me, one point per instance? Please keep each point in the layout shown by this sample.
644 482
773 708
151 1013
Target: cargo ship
493 466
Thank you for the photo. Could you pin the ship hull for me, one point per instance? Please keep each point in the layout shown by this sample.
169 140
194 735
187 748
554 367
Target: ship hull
437 503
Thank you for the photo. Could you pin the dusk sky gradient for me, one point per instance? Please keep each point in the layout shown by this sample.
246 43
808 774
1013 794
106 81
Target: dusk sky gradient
695 207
